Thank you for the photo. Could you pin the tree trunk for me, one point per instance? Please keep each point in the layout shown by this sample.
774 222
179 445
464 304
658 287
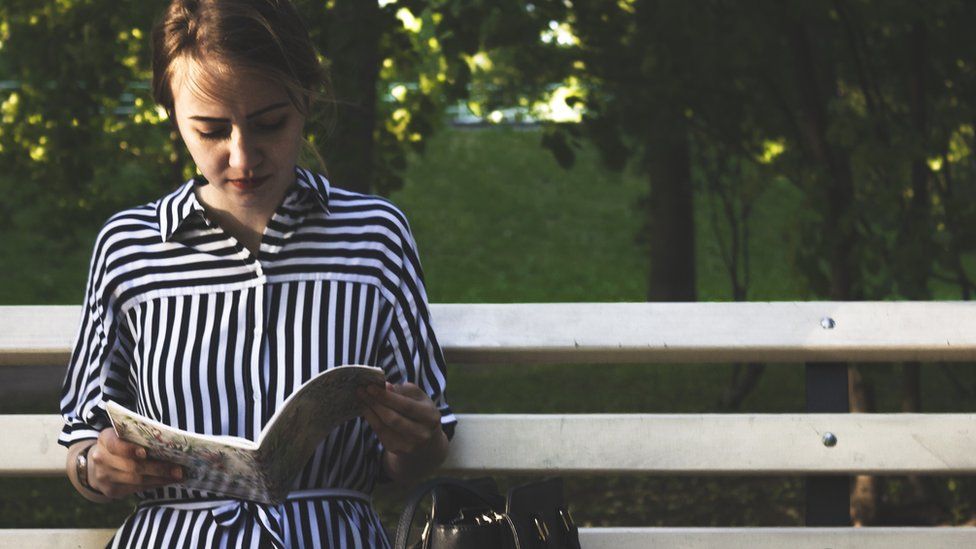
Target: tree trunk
670 211
915 240
865 491
838 226
352 49
745 378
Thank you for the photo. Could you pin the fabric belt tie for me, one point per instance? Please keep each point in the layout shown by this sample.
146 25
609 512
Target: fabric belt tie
228 512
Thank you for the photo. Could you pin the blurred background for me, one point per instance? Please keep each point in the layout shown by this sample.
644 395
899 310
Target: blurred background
557 150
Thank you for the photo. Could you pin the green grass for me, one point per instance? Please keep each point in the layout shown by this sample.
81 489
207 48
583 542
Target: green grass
498 221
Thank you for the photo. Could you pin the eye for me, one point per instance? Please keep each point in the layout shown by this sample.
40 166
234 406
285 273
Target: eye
213 135
271 126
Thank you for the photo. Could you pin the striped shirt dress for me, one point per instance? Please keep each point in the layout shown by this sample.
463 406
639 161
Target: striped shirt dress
182 324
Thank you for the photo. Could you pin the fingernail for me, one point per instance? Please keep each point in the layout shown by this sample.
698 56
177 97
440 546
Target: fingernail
141 452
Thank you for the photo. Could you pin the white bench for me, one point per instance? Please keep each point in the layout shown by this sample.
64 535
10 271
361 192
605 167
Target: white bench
566 444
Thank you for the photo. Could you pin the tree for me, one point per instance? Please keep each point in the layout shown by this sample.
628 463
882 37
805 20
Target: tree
80 135
627 62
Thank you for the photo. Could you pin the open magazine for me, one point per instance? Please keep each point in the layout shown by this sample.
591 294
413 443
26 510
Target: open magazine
263 470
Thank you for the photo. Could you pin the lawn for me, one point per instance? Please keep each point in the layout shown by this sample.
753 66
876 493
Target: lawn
498 221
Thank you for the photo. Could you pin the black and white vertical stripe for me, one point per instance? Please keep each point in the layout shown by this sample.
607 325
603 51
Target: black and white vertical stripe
183 324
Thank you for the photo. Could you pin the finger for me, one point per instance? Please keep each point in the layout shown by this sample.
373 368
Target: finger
411 402
162 469
391 440
106 466
404 426
411 390
111 441
118 483
385 428
131 478
101 458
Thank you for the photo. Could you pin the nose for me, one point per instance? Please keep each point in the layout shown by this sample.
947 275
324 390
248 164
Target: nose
245 154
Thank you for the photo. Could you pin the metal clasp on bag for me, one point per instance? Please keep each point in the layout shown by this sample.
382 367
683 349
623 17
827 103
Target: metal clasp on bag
426 532
567 518
541 529
488 517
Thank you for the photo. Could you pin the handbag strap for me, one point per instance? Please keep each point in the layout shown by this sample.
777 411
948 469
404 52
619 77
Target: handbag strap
421 492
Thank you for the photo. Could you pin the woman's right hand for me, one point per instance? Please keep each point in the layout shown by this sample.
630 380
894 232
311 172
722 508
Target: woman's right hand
118 468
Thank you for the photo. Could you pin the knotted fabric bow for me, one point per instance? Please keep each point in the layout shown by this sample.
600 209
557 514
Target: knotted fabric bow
230 512
269 518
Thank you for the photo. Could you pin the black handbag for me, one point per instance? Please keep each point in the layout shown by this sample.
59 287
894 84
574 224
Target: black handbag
470 514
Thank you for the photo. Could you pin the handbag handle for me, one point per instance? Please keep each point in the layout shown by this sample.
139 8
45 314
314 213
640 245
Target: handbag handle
420 493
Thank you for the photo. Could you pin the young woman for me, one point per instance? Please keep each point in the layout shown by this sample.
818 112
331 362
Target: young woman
206 308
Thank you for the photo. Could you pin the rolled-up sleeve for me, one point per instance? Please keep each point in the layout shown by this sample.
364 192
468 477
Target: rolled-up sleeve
412 353
95 360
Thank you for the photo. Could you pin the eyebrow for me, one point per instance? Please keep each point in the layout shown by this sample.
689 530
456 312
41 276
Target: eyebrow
256 113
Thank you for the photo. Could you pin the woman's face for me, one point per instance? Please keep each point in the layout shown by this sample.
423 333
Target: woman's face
242 131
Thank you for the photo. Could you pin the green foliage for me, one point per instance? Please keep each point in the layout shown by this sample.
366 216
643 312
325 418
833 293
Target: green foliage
80 136
870 104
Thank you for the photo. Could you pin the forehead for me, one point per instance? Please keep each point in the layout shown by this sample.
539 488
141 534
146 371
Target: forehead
215 88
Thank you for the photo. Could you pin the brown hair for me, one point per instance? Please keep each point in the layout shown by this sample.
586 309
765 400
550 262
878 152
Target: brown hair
267 37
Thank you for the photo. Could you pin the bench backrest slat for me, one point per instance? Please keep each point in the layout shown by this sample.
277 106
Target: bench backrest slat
778 538
746 444
626 332
634 538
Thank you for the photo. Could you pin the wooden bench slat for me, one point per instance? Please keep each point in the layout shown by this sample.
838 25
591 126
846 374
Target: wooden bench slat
631 538
626 332
29 445
56 538
37 334
778 538
741 444
707 332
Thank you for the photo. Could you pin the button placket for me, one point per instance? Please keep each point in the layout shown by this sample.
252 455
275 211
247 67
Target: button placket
257 356
287 224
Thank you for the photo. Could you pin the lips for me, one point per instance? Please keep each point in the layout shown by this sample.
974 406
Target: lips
248 183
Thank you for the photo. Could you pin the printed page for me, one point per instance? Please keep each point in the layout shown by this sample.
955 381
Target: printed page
307 417
232 466
219 464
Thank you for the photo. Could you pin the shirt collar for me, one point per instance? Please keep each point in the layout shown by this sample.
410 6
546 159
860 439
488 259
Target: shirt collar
178 206
313 186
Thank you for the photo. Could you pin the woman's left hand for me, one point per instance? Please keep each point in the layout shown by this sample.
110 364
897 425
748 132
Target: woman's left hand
409 425
402 416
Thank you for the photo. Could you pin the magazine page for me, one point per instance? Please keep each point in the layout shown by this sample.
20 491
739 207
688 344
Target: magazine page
238 467
220 464
307 417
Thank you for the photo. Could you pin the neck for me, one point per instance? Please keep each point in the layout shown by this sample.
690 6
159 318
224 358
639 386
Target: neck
245 223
